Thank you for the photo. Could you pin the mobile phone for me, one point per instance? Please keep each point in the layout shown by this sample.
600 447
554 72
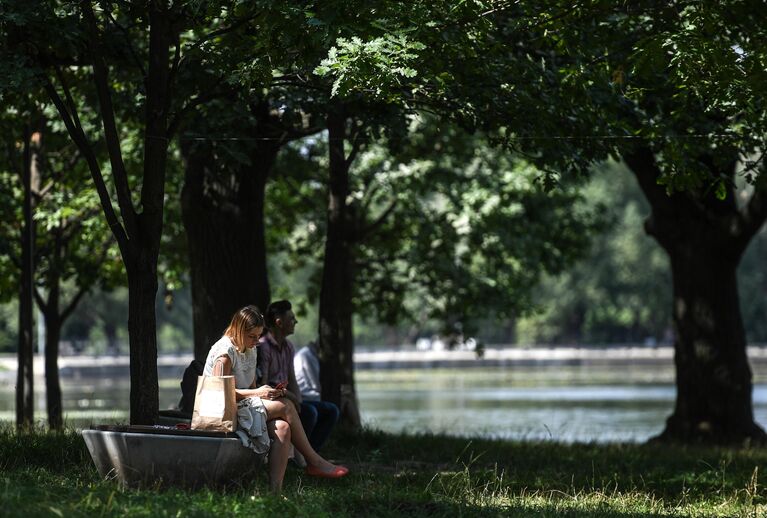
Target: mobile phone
281 385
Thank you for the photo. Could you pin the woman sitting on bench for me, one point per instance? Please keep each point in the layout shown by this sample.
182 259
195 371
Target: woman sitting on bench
273 415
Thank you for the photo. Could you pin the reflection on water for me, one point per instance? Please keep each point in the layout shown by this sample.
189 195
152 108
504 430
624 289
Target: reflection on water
563 403
571 403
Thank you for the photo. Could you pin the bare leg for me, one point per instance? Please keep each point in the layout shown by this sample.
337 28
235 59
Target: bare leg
279 430
284 409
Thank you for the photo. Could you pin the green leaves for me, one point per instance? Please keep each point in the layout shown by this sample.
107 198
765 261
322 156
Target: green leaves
376 67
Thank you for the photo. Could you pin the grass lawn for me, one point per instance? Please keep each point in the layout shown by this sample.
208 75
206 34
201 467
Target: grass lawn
47 474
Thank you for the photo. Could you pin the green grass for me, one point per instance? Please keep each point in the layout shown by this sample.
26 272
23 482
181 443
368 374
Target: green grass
46 474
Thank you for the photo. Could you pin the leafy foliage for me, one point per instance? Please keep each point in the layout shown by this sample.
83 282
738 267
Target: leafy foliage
620 291
449 228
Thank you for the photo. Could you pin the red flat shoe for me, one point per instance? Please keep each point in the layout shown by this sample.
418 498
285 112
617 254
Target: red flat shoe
338 472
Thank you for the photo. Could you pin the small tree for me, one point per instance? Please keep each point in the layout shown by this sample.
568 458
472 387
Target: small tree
116 58
71 248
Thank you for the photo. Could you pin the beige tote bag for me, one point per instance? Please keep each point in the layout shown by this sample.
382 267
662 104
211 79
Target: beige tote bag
215 404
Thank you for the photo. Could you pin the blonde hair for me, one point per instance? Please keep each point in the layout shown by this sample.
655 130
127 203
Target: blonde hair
243 321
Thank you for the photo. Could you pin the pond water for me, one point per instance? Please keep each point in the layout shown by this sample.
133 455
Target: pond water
561 403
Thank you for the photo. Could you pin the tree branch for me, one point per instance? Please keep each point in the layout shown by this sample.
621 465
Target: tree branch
56 174
642 163
222 31
111 135
370 192
128 41
82 143
174 67
753 215
306 200
177 118
357 142
41 303
69 99
73 303
368 229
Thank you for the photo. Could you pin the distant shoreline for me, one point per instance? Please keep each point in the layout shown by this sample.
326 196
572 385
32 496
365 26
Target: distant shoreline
170 366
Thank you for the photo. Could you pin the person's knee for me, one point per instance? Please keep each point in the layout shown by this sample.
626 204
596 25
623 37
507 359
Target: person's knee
311 411
282 430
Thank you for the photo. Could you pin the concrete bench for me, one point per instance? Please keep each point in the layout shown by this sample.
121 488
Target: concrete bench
148 456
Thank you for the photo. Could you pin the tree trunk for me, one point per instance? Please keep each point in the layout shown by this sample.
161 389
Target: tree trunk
53 325
336 344
144 247
137 233
24 384
713 378
226 241
142 326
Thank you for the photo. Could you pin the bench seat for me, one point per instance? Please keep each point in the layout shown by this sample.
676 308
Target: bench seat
146 455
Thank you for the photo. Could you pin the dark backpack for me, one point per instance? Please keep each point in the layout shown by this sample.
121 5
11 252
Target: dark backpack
189 386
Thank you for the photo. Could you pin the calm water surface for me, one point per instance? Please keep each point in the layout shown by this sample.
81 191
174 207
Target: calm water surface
562 403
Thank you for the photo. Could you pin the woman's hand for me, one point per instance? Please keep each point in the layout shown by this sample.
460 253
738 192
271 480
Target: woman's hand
268 392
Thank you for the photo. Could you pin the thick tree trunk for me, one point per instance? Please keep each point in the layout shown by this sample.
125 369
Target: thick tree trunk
223 212
713 378
142 332
226 240
24 382
336 345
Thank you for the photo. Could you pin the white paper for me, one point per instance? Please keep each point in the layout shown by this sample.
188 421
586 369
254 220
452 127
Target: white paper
211 404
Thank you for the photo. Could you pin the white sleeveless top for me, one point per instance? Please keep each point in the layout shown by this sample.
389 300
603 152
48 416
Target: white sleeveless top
243 364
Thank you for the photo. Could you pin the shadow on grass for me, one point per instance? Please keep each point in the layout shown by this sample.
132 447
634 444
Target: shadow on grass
424 475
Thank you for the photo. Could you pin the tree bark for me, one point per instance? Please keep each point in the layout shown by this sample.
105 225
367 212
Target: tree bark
144 247
713 377
53 324
226 241
223 212
336 341
142 332
24 381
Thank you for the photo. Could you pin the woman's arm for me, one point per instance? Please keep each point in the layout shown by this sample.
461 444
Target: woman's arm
264 392
223 367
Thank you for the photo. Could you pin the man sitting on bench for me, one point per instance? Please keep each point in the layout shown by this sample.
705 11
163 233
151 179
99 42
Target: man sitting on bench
275 357
318 417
